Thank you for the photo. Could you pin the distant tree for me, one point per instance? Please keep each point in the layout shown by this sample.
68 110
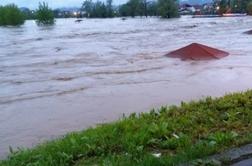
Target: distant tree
57 13
223 6
138 8
143 8
134 7
244 4
146 5
11 15
152 8
109 6
124 10
249 8
235 6
44 15
168 8
87 7
98 9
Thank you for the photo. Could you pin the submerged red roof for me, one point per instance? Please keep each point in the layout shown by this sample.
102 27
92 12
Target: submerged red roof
197 51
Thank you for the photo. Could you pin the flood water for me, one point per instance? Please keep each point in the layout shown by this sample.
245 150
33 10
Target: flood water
74 75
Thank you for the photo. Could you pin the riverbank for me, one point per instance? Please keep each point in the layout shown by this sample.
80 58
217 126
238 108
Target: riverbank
167 136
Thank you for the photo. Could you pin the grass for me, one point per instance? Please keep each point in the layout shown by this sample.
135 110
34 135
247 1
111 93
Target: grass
167 136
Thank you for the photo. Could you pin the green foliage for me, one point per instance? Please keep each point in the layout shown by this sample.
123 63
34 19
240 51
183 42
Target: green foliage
87 6
249 8
138 8
124 10
98 9
168 8
109 8
132 8
178 134
243 5
152 8
234 6
44 15
223 6
11 15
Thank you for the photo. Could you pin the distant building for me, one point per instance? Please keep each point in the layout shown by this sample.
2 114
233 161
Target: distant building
68 12
206 8
186 9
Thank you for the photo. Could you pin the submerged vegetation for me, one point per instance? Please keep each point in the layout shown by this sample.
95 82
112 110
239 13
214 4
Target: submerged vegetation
44 15
167 136
11 15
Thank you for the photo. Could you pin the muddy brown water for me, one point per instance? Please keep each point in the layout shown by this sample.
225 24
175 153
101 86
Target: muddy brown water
68 77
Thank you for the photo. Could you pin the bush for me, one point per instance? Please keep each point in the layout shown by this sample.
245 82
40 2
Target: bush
44 15
168 8
11 15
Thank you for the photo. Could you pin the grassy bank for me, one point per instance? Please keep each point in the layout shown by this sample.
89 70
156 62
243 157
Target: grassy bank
167 136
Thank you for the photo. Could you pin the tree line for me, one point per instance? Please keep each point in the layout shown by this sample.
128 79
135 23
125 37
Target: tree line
12 15
99 9
234 6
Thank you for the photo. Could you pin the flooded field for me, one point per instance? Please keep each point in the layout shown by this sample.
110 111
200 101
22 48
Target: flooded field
74 75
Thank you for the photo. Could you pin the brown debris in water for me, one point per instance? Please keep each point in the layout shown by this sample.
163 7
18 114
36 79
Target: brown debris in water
64 79
190 26
248 32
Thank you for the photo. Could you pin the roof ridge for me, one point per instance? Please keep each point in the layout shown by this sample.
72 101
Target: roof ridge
198 51
205 49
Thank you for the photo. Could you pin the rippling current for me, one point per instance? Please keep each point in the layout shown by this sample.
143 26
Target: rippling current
74 75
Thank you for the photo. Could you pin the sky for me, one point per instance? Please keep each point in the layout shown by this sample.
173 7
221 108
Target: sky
52 3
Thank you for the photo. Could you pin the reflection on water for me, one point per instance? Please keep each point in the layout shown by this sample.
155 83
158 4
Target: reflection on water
57 79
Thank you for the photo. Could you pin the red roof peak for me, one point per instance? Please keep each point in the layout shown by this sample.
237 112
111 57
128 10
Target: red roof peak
196 51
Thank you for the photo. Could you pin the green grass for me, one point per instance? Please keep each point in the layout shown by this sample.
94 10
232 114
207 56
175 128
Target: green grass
179 133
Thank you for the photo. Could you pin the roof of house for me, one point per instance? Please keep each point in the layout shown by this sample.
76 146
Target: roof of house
196 51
